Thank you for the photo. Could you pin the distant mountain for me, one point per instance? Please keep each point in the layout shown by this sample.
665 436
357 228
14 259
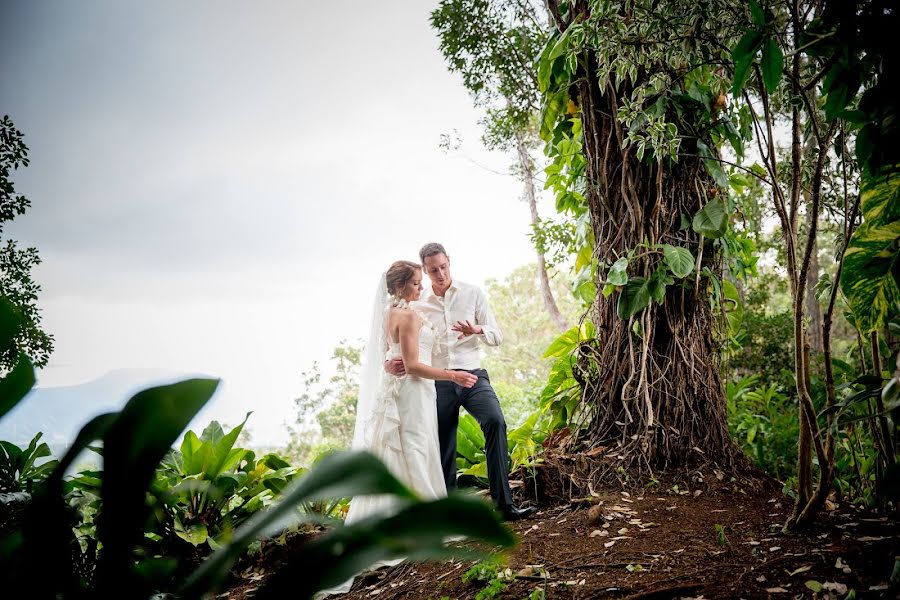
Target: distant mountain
59 412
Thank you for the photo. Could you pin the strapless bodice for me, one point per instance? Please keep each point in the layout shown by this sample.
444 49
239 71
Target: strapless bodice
426 342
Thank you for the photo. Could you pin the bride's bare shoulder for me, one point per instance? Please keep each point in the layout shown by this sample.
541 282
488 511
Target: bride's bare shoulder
398 314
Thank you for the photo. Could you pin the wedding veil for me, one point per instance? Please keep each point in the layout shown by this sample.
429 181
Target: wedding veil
372 370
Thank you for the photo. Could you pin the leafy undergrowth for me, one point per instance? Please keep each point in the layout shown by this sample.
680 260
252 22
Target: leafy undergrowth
699 543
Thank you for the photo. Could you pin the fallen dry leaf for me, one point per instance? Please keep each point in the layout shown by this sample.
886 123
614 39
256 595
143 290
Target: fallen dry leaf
833 586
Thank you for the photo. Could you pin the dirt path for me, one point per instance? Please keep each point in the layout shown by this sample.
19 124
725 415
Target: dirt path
664 544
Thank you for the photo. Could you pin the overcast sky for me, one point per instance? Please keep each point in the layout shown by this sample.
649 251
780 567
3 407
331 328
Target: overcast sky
216 186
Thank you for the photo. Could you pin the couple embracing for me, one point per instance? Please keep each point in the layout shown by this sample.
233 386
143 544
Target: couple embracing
422 364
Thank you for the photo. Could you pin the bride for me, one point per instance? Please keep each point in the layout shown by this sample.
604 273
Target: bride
396 417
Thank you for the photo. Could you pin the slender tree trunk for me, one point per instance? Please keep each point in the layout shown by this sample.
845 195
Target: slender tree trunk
883 429
526 166
813 308
826 471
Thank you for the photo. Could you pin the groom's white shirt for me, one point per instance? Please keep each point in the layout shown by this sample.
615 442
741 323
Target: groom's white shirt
461 302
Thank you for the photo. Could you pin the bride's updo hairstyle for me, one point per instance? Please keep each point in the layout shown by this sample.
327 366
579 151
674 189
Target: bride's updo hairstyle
400 273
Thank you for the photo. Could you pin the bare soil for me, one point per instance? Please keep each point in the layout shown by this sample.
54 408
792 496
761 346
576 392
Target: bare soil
719 540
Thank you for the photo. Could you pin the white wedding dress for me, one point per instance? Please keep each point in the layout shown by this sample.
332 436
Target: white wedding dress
405 434
401 429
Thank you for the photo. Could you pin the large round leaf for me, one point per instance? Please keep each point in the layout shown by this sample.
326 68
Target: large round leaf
711 220
679 260
633 298
618 273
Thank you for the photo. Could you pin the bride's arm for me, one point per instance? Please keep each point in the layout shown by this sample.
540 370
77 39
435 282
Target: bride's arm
409 349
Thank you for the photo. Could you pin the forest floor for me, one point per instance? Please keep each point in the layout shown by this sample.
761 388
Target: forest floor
718 540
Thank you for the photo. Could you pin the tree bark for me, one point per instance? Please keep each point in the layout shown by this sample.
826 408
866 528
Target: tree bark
813 308
656 395
526 166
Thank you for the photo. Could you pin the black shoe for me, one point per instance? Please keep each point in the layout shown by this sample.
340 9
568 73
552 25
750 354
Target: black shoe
512 512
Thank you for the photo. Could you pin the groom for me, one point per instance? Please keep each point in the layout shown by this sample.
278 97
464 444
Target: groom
461 317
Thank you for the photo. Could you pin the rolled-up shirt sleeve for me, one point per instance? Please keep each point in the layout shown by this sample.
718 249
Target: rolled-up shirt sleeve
490 331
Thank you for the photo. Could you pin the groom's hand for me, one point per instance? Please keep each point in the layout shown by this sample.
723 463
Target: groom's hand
395 367
465 329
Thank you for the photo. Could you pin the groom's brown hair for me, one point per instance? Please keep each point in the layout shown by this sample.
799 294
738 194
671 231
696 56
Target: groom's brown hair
430 249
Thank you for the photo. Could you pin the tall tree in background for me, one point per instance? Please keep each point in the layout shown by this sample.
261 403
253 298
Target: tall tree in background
16 264
518 367
493 45
326 410
631 113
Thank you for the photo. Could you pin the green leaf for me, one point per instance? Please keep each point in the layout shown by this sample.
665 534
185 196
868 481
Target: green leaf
16 385
586 292
222 452
479 470
554 105
814 585
757 14
743 55
337 475
584 256
524 432
772 63
191 454
545 64
417 532
560 46
633 298
679 260
465 450
868 277
563 345
732 306
472 430
10 322
195 534
658 282
880 199
212 433
840 86
711 220
274 462
618 272
712 164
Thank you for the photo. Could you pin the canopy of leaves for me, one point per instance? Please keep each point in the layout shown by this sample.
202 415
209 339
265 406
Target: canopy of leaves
16 283
492 45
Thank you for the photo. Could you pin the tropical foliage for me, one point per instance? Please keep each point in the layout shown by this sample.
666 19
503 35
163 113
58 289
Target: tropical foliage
46 553
22 468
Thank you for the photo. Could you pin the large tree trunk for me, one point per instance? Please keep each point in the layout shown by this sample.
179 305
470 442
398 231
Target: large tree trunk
653 392
526 166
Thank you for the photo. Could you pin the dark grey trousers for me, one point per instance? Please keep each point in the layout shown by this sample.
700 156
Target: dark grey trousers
481 402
